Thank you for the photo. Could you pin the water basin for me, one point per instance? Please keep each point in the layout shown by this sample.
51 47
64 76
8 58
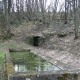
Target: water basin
29 62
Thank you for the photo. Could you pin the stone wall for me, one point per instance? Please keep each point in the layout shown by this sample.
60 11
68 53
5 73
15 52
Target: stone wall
46 76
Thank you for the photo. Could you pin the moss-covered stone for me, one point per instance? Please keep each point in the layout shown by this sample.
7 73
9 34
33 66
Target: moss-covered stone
9 69
76 77
64 76
47 78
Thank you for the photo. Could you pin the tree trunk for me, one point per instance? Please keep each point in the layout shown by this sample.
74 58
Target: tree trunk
75 21
7 17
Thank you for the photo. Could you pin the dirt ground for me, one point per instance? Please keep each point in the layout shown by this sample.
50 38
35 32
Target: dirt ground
68 49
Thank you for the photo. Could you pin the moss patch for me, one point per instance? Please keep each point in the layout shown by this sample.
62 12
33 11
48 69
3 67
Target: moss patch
9 68
76 77
2 56
64 76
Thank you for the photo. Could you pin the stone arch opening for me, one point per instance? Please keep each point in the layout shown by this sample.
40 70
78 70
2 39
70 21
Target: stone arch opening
35 40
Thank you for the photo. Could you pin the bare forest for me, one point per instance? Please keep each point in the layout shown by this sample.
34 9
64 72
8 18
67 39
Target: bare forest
42 25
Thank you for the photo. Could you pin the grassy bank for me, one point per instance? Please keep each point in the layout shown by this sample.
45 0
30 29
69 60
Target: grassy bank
2 56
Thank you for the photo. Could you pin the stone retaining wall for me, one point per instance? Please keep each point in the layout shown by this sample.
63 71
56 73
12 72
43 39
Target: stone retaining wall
58 75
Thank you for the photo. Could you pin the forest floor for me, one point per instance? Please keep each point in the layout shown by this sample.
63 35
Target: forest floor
67 49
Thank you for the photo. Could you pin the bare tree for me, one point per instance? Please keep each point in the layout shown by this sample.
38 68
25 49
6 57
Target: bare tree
75 19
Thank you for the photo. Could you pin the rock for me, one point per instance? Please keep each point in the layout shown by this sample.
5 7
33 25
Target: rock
63 34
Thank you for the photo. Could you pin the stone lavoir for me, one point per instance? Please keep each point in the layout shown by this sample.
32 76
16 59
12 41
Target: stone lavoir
26 65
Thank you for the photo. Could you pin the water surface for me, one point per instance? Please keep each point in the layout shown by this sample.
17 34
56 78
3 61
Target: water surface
27 62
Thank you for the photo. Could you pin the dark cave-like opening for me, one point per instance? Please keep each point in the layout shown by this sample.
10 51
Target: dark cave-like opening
36 40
